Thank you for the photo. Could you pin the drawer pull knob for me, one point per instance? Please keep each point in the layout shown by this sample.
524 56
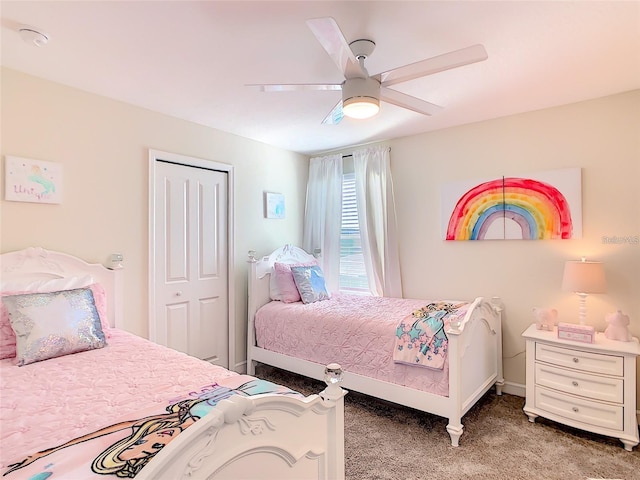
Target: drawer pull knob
574 383
575 409
576 359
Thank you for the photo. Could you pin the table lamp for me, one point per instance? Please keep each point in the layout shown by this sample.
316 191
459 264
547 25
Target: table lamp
583 277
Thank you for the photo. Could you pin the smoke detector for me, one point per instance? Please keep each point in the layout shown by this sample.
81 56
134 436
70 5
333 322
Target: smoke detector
32 36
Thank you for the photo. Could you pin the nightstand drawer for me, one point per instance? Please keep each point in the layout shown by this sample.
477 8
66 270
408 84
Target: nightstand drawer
579 409
571 381
579 360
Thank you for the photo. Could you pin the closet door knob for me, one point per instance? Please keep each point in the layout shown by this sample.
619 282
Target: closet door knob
574 383
575 409
179 293
576 359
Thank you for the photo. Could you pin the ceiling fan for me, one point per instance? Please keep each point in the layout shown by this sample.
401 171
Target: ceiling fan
361 92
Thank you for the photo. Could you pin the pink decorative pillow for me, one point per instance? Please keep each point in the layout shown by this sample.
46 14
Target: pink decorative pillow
8 336
287 291
100 299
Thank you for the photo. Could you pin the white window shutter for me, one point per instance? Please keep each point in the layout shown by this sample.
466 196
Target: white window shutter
353 276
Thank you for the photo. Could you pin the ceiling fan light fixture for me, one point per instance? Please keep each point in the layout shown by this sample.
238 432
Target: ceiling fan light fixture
360 107
360 97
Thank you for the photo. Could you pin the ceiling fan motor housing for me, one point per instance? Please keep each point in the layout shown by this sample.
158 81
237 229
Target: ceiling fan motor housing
354 89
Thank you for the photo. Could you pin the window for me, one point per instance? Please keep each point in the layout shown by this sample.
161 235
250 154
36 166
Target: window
353 276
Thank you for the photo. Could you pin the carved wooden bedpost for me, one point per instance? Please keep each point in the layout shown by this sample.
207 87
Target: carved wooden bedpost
335 394
497 305
251 310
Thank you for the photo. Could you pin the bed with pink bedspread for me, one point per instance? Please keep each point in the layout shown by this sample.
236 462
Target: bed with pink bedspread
104 397
358 331
125 407
441 366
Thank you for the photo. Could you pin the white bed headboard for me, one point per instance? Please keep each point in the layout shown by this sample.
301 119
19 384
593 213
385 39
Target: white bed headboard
260 270
286 254
36 263
258 281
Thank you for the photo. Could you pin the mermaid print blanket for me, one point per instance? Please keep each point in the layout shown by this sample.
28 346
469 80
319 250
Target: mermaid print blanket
123 448
420 337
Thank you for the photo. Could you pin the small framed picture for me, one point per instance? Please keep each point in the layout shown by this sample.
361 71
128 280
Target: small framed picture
273 205
28 180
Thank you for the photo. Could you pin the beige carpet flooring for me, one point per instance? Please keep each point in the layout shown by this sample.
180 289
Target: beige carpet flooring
387 441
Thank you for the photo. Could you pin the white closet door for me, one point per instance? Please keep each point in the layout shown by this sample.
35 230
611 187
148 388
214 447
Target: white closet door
191 261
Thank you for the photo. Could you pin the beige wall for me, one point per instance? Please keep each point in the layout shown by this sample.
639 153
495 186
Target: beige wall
103 148
602 137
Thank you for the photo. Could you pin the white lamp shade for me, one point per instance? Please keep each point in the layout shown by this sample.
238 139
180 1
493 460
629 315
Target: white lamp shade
584 277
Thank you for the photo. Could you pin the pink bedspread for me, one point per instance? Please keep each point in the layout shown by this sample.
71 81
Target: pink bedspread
49 403
358 332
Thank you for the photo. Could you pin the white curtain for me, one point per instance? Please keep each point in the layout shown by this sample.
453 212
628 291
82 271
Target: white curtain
323 215
377 220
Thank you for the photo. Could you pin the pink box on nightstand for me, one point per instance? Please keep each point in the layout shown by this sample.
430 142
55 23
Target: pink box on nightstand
576 332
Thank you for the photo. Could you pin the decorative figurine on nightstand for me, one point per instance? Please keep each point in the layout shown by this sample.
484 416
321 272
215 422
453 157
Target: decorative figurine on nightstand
545 318
618 328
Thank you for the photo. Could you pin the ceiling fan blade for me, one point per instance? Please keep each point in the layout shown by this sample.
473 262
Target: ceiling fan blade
335 115
407 101
332 40
446 61
295 87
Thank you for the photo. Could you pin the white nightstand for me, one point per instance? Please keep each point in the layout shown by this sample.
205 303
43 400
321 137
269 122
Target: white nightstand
591 386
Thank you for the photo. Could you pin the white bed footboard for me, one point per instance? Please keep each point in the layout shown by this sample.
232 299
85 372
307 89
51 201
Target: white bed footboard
262 437
475 361
474 351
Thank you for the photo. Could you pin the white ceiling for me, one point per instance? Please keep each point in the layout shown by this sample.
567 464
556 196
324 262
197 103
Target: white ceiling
192 60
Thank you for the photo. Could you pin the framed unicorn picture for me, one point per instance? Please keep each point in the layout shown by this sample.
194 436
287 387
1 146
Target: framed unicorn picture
34 181
545 205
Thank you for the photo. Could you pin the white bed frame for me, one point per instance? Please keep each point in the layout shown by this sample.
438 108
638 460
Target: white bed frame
474 351
260 437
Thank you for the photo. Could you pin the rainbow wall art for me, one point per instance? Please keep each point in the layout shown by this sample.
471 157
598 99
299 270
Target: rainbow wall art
535 207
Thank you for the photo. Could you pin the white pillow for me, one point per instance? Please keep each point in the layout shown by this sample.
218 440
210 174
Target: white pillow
274 291
48 285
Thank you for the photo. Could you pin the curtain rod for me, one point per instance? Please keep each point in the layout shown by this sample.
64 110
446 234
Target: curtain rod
351 155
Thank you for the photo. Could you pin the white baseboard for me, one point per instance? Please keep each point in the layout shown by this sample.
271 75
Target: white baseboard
240 367
512 388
